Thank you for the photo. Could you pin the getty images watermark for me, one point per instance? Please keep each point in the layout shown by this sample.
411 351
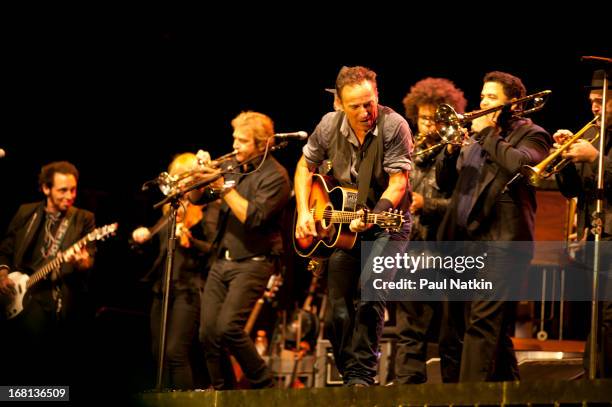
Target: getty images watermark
465 271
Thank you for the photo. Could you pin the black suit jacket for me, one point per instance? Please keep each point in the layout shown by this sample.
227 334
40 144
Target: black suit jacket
495 214
580 180
21 234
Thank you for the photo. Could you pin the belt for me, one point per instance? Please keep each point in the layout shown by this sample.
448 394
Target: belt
226 256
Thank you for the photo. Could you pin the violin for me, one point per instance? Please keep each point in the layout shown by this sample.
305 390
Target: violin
186 219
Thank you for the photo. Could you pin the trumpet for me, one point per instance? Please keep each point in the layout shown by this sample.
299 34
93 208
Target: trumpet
450 123
205 161
551 164
172 183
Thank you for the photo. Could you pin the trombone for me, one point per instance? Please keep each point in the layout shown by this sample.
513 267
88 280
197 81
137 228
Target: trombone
450 123
551 165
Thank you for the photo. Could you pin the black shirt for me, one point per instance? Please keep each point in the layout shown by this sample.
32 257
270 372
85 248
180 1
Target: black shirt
267 191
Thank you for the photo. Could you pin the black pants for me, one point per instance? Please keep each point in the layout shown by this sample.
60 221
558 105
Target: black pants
604 318
182 325
413 324
488 353
606 340
415 321
43 346
232 288
356 326
604 343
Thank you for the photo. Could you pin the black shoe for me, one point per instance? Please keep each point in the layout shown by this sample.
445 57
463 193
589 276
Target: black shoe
356 383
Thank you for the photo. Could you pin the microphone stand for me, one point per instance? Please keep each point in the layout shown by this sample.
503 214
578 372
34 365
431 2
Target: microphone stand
175 201
597 231
174 205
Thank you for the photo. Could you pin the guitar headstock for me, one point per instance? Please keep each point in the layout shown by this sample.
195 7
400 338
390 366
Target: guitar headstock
391 220
103 232
274 284
316 266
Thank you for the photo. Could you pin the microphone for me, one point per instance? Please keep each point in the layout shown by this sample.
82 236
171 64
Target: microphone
296 135
148 184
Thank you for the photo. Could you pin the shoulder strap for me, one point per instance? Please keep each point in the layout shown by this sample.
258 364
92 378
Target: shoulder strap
61 232
366 166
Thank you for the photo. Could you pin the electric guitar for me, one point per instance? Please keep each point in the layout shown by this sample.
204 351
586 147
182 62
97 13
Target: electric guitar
333 209
23 282
305 322
274 283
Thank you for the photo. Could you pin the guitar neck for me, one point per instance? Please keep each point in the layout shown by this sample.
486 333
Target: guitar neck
311 292
44 270
158 226
334 216
254 314
53 264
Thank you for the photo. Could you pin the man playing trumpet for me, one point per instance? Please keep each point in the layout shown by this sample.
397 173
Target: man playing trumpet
579 179
249 241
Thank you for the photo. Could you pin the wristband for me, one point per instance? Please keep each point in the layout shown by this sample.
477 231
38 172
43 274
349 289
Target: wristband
382 205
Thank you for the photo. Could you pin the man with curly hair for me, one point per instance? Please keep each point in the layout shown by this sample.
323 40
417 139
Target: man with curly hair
50 328
428 204
414 318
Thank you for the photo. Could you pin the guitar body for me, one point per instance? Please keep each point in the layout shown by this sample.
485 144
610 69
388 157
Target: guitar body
16 306
23 282
325 195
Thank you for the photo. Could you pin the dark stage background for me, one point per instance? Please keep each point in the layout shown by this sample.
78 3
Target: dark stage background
119 96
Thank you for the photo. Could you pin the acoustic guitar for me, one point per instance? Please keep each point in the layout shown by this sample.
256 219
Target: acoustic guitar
333 209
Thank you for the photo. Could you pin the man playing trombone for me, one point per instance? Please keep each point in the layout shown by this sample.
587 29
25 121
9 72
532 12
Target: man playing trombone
482 209
415 319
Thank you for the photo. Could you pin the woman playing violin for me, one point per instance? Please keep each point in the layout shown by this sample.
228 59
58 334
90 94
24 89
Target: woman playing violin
196 226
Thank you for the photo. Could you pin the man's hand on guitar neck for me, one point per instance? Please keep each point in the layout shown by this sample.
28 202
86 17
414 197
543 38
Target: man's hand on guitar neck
358 225
80 258
305 225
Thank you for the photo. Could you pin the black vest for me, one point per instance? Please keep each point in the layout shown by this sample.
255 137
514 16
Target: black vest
340 155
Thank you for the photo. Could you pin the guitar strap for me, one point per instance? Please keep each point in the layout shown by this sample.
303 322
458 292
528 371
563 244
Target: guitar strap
372 145
59 237
57 242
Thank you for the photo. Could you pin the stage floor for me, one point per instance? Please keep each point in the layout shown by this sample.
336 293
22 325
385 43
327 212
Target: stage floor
553 393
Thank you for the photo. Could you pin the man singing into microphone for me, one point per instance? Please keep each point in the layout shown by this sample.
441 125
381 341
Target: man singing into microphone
362 132
249 241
